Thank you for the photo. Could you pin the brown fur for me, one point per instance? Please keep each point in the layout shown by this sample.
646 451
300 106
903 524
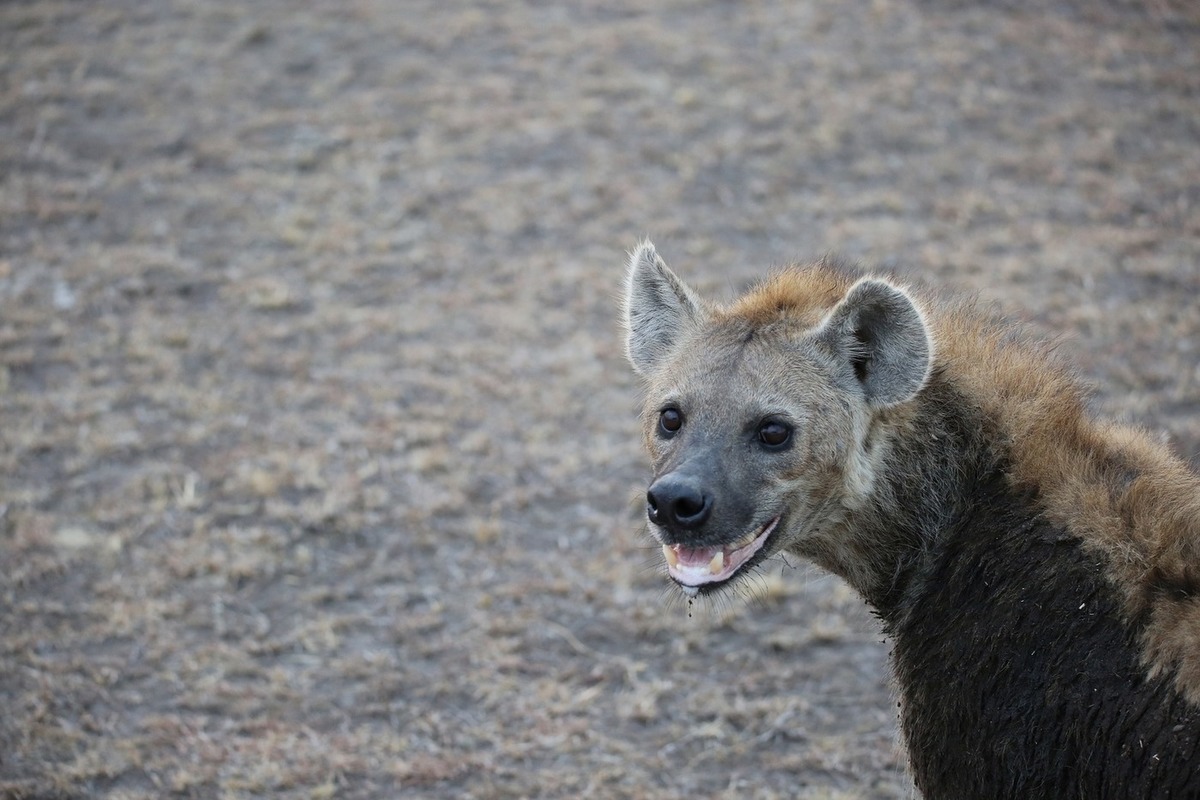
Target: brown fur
801 296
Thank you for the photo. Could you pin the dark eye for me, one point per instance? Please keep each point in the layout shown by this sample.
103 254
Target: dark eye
670 421
774 434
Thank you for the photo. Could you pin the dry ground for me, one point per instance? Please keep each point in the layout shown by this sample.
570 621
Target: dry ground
317 448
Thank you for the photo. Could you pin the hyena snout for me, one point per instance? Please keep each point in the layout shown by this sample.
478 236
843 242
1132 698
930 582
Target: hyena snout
678 503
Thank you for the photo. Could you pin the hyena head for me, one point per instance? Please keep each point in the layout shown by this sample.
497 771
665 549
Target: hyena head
766 420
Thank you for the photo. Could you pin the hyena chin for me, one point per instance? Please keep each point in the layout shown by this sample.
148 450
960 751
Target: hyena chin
1038 570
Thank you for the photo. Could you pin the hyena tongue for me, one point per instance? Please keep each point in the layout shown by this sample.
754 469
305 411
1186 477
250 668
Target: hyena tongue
695 566
711 558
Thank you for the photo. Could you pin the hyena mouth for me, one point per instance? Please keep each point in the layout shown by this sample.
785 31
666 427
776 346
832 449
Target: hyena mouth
694 567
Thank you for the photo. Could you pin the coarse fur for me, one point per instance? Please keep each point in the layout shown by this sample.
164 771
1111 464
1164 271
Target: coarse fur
1038 569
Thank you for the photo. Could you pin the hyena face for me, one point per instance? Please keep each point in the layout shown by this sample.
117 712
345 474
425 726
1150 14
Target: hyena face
760 418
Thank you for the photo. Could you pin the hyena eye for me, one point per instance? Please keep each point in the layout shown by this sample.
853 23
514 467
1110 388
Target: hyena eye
670 421
774 434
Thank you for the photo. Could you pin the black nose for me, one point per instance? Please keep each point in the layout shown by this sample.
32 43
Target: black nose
677 502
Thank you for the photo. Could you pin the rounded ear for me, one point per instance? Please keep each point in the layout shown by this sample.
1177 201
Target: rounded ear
879 330
659 308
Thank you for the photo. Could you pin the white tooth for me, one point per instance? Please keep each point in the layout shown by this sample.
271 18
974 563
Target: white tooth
670 555
717 562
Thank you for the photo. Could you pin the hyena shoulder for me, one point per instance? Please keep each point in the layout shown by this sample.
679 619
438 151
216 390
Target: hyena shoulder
1124 495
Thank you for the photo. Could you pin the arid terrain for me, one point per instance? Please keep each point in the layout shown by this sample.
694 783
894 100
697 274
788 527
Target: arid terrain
319 458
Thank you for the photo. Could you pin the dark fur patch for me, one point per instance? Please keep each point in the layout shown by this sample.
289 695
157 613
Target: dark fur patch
1019 679
1019 676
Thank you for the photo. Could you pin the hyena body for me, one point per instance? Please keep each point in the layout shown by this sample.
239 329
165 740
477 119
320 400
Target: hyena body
1038 571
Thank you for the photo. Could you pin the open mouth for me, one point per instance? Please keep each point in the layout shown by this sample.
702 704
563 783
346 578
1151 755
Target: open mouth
694 567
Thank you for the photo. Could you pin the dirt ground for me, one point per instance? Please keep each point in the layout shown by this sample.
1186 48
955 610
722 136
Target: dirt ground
318 455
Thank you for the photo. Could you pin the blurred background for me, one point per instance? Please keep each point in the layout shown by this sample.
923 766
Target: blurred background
319 460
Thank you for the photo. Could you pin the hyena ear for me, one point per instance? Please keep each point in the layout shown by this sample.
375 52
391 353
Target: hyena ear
879 329
659 309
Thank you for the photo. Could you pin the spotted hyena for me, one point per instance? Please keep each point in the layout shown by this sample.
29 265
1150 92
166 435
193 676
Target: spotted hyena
1037 569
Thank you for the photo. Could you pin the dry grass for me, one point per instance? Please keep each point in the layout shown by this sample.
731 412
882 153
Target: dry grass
316 442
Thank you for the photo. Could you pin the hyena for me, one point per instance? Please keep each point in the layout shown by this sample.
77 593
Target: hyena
1037 570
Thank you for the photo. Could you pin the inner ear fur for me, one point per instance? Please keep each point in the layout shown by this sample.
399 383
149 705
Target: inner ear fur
880 331
659 310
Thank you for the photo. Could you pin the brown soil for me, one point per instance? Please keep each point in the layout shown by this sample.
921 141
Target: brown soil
319 455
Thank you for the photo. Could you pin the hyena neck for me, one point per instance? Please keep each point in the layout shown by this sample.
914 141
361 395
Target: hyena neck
938 459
